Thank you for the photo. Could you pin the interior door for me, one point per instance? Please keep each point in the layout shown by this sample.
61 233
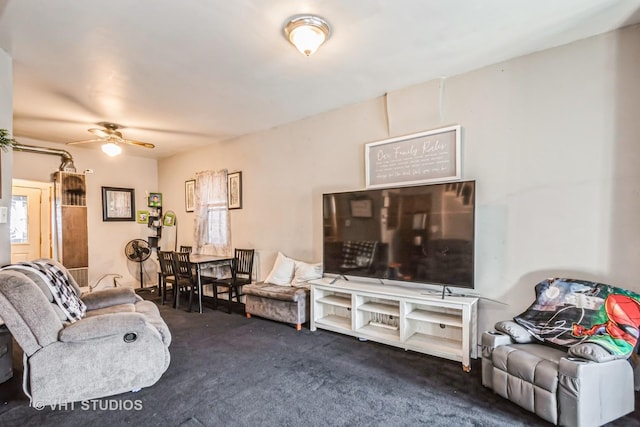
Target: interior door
29 206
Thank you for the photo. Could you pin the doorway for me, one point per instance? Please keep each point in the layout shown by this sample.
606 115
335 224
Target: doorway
30 220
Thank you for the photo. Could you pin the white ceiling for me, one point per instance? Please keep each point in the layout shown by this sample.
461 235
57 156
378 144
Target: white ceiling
185 73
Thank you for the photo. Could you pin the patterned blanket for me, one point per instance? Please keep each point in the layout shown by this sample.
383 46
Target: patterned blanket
567 312
358 254
56 279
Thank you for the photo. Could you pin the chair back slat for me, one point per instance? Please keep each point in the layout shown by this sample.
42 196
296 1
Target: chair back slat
243 262
182 266
186 248
166 263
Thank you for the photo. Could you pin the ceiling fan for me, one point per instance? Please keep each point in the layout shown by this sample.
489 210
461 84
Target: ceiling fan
111 137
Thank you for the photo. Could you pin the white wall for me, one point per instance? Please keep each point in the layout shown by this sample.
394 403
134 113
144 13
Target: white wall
551 139
106 239
6 122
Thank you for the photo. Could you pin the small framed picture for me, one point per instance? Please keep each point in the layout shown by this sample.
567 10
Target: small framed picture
142 217
155 200
190 195
234 190
169 219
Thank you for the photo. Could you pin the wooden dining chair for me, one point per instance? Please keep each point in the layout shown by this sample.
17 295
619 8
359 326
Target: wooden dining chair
185 279
165 275
241 273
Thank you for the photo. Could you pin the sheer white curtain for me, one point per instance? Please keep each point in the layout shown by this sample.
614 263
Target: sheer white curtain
212 227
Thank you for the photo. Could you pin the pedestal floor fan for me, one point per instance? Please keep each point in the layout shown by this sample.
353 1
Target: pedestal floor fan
139 251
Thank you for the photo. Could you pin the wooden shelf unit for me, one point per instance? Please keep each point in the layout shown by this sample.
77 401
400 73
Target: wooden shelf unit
405 317
70 240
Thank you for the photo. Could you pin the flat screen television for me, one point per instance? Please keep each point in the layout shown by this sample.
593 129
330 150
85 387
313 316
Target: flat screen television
421 234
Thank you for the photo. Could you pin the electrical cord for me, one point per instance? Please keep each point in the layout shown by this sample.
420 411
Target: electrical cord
115 282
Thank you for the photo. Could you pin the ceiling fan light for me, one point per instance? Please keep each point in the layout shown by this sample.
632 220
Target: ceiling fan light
111 149
307 33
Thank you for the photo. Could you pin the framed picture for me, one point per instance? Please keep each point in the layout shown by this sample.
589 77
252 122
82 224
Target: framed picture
155 200
190 195
234 190
361 208
169 219
118 204
418 158
142 217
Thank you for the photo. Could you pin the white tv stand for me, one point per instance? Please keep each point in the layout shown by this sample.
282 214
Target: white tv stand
403 317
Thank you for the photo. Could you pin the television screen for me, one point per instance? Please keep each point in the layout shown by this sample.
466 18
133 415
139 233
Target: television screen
421 234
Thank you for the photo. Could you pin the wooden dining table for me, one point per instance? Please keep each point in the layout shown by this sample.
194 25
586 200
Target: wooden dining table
201 261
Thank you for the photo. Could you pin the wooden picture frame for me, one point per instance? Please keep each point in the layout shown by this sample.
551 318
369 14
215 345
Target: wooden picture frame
190 195
118 204
234 190
419 158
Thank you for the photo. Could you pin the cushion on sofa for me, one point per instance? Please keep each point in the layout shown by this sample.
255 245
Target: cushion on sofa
118 308
282 271
110 297
303 272
279 292
518 333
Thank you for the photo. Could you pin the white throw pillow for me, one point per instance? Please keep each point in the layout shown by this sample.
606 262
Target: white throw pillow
305 272
282 271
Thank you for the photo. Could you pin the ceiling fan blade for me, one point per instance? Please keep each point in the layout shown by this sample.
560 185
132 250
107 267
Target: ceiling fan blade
138 143
100 133
84 141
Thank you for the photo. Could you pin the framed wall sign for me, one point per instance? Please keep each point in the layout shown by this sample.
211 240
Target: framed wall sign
190 195
118 204
419 158
234 190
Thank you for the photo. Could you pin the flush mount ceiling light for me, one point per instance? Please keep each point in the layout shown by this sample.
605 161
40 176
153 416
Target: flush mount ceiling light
111 149
307 32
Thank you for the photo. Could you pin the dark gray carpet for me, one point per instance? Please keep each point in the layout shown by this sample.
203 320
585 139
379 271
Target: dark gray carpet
227 370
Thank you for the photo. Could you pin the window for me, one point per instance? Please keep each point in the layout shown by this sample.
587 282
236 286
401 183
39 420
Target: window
213 233
19 219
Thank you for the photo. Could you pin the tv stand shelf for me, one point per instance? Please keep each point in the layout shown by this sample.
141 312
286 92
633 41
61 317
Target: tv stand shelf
400 316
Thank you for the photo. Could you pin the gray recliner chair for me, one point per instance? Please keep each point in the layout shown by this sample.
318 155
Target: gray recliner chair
120 344
584 386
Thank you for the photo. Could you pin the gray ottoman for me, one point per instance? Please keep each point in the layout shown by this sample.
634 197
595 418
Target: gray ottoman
286 304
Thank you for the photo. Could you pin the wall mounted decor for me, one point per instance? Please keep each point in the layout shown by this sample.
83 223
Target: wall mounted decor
234 190
155 200
118 204
169 219
142 217
419 158
189 195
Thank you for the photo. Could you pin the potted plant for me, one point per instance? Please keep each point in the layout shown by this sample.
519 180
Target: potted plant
6 141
